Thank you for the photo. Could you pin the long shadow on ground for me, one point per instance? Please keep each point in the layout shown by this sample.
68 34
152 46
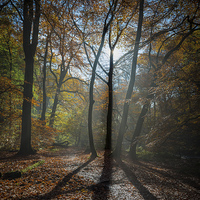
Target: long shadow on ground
133 179
14 156
101 189
57 190
176 176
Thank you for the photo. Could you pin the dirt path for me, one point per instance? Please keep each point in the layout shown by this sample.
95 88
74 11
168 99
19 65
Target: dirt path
71 175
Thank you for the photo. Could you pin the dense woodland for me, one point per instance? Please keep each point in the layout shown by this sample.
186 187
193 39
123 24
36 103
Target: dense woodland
117 74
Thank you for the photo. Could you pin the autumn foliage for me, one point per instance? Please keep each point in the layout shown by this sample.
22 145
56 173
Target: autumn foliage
77 68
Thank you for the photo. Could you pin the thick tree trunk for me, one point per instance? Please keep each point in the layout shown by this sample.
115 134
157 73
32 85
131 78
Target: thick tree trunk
138 129
30 39
117 150
25 147
110 105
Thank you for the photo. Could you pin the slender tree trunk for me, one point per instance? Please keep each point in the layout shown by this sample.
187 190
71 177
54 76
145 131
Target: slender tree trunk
110 105
63 72
30 40
138 129
117 150
55 103
154 113
78 138
91 140
112 44
91 96
44 100
10 97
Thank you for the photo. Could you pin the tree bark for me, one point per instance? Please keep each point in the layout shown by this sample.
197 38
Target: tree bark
63 71
55 103
110 104
59 85
138 129
118 148
44 100
30 40
112 44
91 95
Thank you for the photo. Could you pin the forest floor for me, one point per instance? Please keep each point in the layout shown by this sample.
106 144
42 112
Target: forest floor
70 174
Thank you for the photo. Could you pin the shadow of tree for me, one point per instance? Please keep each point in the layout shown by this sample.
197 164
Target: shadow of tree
133 179
17 157
57 190
9 155
176 176
101 189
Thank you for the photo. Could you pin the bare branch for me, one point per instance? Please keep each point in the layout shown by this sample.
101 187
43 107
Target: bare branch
52 26
69 91
178 45
51 64
75 79
91 63
17 10
98 61
178 128
4 4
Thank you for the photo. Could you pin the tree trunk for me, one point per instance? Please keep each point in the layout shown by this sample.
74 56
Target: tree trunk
44 100
63 72
55 103
138 129
26 112
29 45
10 97
117 150
91 140
91 96
110 105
